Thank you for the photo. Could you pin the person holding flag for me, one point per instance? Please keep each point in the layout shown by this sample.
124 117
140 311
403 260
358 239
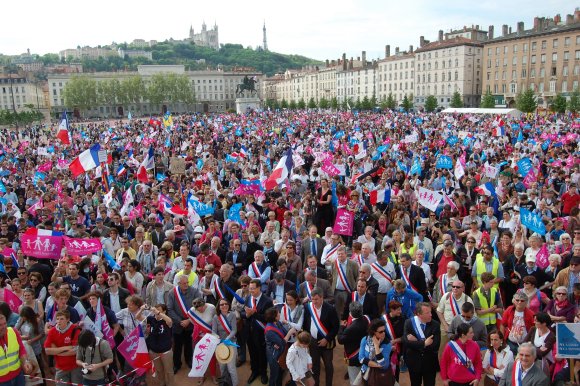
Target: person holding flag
461 360
159 342
224 324
202 314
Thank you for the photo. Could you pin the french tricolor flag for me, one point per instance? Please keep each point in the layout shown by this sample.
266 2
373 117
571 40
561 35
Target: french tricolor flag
380 196
87 160
63 133
486 189
498 130
42 232
148 163
281 172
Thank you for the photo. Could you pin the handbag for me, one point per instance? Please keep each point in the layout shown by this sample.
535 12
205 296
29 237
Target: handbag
380 377
282 359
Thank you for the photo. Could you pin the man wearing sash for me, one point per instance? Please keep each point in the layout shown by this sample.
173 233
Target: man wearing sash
365 273
412 275
237 257
350 337
178 304
449 307
364 298
311 281
384 273
344 276
445 281
421 339
260 270
254 308
330 251
524 371
468 317
226 280
321 320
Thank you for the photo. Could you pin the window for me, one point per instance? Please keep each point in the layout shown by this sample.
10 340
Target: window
525 47
566 55
505 49
566 42
514 74
503 75
554 57
534 44
513 87
577 55
524 60
552 86
456 75
456 62
496 75
575 85
565 71
489 51
515 48
564 86
576 70
544 44
542 72
497 63
505 62
554 71
515 61
541 87
543 58
524 72
555 43
533 60
497 50
532 87
488 63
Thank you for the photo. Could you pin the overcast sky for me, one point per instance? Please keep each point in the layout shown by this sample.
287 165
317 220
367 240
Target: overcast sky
318 29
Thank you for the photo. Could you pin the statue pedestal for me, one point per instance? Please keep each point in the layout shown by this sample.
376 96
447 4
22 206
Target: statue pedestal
247 103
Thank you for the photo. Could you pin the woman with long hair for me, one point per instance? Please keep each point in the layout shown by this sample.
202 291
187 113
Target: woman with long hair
225 326
31 332
242 328
100 284
324 215
374 353
32 302
461 359
544 339
497 357
35 283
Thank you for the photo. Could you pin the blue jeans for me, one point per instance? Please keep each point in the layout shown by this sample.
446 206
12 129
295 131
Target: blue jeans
275 371
17 381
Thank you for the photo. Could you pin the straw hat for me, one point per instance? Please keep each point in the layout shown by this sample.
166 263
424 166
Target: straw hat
224 353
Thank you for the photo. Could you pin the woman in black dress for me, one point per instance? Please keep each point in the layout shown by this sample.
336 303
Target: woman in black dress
324 213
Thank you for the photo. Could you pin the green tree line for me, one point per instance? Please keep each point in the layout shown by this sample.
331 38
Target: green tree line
85 93
26 117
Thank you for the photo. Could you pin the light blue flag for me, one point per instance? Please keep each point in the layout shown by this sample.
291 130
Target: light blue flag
416 167
444 162
532 221
110 261
2 187
524 166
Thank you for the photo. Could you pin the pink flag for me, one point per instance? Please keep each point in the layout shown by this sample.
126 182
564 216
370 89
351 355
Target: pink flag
40 246
33 208
134 349
530 178
449 202
542 257
81 247
45 167
13 301
344 222
62 164
136 212
58 186
329 168
104 324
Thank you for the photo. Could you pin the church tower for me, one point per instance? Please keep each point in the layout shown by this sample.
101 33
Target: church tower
191 32
265 43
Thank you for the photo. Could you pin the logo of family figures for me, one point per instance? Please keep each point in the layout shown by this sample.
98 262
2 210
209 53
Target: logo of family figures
40 245
200 357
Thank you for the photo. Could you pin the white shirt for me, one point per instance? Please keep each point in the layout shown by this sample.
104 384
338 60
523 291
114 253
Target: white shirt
384 284
503 359
325 259
115 305
313 329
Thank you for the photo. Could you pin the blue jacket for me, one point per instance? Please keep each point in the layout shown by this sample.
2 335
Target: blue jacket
382 359
408 299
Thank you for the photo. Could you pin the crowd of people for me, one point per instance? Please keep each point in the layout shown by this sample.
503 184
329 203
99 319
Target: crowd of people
204 231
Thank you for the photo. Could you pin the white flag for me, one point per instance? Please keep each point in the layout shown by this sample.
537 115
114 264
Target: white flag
459 171
429 199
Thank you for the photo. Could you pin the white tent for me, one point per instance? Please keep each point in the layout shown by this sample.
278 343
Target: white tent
510 113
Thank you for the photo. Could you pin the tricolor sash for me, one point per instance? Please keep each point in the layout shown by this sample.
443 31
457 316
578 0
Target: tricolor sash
254 305
316 320
462 356
416 323
355 297
406 279
199 322
332 251
255 270
286 312
342 276
216 285
382 271
181 301
389 327
225 323
443 281
493 361
273 327
359 259
308 290
517 373
454 306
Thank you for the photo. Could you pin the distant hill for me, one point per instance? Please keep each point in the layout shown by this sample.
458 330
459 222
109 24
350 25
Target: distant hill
193 57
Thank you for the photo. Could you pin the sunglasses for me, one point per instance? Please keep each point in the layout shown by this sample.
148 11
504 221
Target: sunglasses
560 293
456 286
208 270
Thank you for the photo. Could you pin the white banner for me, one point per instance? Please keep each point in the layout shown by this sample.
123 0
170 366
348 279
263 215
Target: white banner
42 151
490 171
204 350
429 199
459 171
297 159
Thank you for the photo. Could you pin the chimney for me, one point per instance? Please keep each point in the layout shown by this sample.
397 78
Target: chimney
557 19
536 23
387 51
520 27
577 16
504 30
569 19
490 32
350 64
411 49
344 64
396 51
364 58
440 35
477 27
327 62
421 41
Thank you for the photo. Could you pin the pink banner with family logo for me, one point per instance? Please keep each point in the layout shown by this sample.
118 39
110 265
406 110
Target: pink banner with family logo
81 247
329 168
344 222
13 301
42 247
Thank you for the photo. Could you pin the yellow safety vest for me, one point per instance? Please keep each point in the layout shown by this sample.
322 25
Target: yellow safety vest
190 278
480 268
410 251
10 359
490 317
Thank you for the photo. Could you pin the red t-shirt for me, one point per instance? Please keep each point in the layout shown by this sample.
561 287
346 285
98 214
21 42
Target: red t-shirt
22 352
58 339
569 202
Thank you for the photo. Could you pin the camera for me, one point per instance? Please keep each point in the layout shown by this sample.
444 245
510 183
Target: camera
85 371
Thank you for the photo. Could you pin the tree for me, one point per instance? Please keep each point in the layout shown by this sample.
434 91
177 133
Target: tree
488 101
284 104
430 103
389 103
292 105
574 102
407 103
456 100
311 103
374 101
345 104
366 104
301 104
324 103
334 103
526 101
80 92
559 104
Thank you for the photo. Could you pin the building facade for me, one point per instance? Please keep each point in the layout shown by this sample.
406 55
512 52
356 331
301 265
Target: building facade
17 91
215 91
205 38
86 52
544 58
449 65
396 74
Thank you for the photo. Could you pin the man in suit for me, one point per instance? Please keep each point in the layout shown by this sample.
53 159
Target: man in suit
312 264
532 375
226 278
412 275
365 273
254 308
249 247
278 288
312 245
115 296
238 258
350 337
421 338
313 282
158 235
344 273
364 298
283 269
321 320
